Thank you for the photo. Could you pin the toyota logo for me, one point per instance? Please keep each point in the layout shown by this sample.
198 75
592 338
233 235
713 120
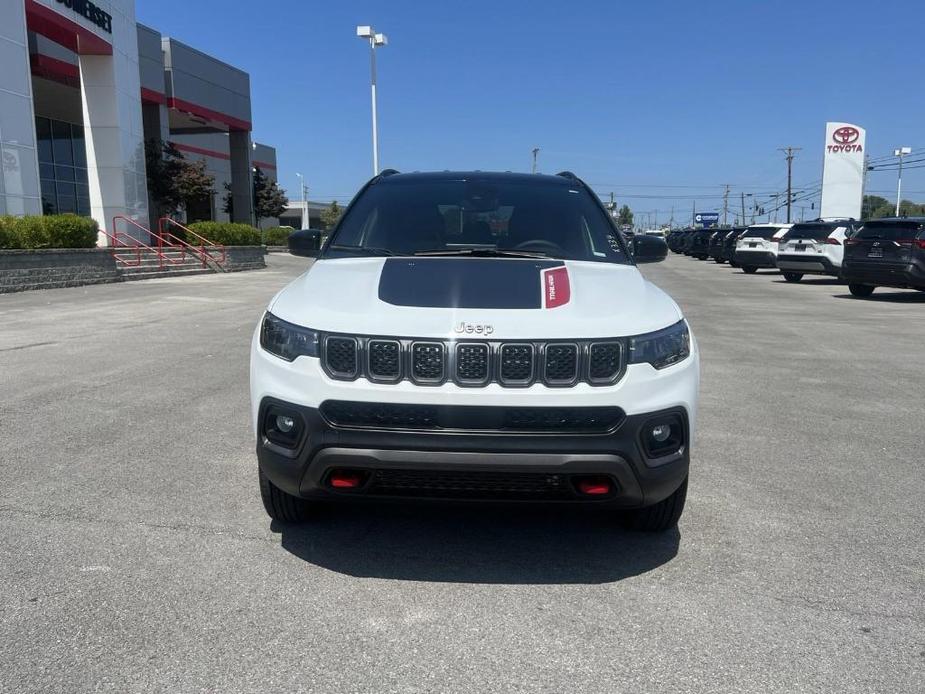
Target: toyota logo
846 135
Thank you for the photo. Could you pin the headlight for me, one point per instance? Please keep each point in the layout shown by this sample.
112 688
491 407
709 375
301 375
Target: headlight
287 341
661 348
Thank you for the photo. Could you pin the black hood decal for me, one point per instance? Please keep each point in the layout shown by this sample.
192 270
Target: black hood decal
464 282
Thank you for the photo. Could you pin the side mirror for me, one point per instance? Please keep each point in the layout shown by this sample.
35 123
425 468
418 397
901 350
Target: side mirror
305 242
649 249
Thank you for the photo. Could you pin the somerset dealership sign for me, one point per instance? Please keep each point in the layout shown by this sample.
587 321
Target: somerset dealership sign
843 170
90 12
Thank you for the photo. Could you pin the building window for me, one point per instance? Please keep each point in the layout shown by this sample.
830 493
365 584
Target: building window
62 167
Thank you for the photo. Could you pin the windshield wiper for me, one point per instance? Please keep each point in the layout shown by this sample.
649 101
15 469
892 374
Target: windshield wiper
362 250
483 253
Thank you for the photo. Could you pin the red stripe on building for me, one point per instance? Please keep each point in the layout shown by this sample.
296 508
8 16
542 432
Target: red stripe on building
265 165
203 112
200 150
153 97
54 69
45 21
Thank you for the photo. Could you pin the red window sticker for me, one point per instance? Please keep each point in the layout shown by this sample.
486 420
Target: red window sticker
556 289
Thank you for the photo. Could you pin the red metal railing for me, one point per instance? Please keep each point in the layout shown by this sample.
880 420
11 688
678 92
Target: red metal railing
203 250
124 240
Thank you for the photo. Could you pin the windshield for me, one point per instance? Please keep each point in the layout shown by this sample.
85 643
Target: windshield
814 232
760 232
478 217
889 231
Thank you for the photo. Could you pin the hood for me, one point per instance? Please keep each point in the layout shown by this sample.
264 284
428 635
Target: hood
474 297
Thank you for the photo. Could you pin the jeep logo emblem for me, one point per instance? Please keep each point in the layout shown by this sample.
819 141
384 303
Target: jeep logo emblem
474 328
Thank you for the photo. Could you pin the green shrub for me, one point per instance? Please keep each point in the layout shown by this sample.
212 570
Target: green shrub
48 231
71 231
277 236
227 233
8 236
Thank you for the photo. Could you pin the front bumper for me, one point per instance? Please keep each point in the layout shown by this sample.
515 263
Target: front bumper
617 451
808 263
881 274
755 258
480 465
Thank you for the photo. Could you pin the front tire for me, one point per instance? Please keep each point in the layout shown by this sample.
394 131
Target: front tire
861 290
749 269
281 506
659 517
793 276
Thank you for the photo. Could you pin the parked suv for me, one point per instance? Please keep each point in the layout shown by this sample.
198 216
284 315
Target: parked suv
717 241
757 246
729 245
815 248
475 336
886 253
700 243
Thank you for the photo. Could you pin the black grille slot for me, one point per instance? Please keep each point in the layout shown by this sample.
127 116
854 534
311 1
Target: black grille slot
516 420
604 361
470 485
561 363
472 362
380 415
341 355
384 359
563 419
427 361
516 363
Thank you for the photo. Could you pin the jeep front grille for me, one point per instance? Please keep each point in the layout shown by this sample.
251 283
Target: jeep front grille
474 364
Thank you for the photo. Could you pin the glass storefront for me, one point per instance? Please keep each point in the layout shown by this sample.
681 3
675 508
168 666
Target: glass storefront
62 167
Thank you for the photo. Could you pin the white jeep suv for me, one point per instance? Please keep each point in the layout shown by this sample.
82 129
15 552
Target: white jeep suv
815 248
476 336
757 246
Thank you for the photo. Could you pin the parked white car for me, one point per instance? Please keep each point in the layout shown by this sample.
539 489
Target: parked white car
757 247
814 248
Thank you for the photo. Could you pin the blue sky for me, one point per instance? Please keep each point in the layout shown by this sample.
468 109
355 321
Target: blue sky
660 102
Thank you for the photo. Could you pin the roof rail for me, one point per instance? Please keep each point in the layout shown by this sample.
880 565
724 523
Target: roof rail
388 172
568 174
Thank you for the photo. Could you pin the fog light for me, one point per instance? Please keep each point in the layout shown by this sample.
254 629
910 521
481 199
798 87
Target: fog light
282 427
663 437
661 432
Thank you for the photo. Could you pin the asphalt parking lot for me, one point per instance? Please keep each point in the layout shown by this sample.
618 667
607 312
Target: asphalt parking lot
135 554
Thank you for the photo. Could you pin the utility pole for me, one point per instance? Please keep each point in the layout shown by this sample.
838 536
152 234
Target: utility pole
613 205
536 150
790 155
671 221
725 204
864 183
900 152
743 207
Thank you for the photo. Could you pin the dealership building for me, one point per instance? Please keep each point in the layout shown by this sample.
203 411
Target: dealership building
83 85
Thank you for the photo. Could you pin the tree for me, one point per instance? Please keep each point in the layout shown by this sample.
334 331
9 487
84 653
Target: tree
163 163
330 216
173 182
270 199
625 216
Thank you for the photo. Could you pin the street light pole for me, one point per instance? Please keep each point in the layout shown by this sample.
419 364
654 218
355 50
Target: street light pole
375 40
536 150
305 223
900 152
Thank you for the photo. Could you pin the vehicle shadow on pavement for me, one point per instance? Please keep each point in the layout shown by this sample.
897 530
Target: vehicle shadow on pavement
815 282
892 297
477 544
